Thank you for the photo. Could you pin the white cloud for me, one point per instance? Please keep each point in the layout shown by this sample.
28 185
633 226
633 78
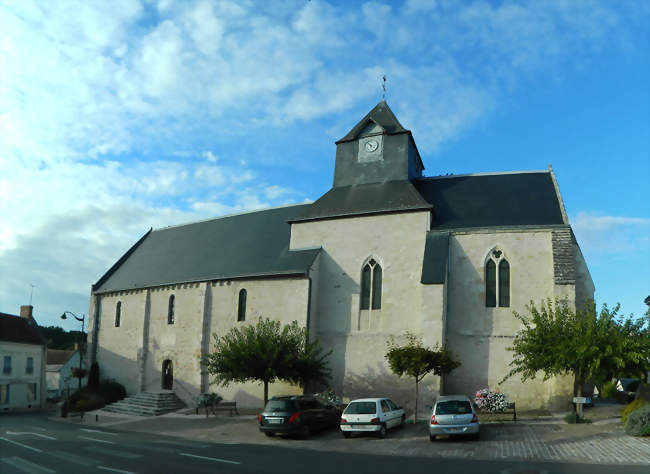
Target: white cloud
613 234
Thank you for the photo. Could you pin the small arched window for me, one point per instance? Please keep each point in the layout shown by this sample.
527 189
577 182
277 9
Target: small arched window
241 310
371 282
170 309
497 280
118 313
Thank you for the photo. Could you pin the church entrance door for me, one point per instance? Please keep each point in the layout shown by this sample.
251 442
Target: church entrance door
167 374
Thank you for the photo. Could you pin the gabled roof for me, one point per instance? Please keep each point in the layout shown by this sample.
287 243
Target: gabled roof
58 357
383 116
389 196
245 245
21 330
492 200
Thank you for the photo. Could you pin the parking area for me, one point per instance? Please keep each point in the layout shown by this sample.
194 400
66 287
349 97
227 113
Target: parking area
604 443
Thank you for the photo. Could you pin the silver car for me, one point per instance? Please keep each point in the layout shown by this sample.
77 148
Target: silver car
453 415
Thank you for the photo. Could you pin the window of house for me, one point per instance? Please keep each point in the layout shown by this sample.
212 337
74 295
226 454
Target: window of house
118 313
241 310
170 310
6 368
29 368
31 392
497 280
371 283
4 394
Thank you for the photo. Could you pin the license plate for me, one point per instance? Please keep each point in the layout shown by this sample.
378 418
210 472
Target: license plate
275 421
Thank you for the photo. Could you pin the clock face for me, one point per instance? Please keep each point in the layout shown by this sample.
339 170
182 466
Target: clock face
371 145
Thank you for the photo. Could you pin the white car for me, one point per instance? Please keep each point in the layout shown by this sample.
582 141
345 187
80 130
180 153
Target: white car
371 414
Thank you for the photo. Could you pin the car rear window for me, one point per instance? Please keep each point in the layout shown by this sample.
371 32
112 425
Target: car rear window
361 408
453 407
280 405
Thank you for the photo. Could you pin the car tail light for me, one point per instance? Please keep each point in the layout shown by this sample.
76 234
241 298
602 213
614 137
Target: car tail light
295 417
433 420
474 419
259 418
375 421
343 420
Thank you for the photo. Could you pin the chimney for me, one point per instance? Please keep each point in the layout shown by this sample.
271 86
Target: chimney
26 311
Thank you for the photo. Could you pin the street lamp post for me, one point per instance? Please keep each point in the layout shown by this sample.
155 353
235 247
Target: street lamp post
82 320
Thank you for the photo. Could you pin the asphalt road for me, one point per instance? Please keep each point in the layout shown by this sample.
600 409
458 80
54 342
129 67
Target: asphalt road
30 443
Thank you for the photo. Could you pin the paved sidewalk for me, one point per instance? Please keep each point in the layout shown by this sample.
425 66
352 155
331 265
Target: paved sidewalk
545 440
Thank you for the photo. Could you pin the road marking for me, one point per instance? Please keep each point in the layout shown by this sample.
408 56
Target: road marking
114 470
26 466
98 431
98 440
21 444
114 452
210 459
29 432
75 458
37 428
180 443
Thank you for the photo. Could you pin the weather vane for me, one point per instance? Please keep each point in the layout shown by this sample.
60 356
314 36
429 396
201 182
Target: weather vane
383 87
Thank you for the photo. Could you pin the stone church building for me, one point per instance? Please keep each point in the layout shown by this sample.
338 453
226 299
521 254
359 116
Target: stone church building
384 251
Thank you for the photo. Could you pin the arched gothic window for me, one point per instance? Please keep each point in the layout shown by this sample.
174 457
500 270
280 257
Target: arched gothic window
371 279
118 313
170 309
497 280
241 310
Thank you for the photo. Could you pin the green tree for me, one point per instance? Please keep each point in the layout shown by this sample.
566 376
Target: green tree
414 360
266 352
556 340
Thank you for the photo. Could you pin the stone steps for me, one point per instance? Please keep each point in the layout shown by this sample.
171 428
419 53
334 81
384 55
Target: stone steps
147 404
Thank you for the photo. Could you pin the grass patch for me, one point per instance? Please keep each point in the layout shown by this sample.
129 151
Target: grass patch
573 418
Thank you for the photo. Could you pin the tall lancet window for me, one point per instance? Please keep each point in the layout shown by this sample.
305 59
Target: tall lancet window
371 282
118 313
170 310
497 280
241 311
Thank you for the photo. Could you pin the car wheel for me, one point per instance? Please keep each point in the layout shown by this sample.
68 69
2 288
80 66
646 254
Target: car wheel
432 438
402 423
269 434
382 432
304 432
346 434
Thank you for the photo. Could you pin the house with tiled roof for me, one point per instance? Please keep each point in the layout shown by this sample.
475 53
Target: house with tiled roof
59 371
23 353
386 250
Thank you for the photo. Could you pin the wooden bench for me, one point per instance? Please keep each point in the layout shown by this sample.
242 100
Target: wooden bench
512 409
219 407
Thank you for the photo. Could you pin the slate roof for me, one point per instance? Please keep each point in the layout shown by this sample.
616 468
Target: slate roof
21 330
390 196
383 116
58 357
489 200
244 245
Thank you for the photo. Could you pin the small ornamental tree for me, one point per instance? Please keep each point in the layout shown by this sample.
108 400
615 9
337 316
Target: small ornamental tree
556 340
93 376
414 360
266 352
79 373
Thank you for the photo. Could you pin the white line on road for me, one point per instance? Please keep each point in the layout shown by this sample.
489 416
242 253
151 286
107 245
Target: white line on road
26 466
21 444
29 432
98 440
210 459
114 470
98 431
37 428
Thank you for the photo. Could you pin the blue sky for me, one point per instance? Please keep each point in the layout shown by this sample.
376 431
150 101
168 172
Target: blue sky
120 116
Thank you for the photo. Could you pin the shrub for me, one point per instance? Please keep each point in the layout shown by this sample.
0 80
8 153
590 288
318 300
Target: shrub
209 399
94 403
493 402
83 393
573 418
629 408
609 390
111 391
330 396
638 422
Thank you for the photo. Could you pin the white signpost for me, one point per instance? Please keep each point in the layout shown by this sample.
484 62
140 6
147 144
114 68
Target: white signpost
579 401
